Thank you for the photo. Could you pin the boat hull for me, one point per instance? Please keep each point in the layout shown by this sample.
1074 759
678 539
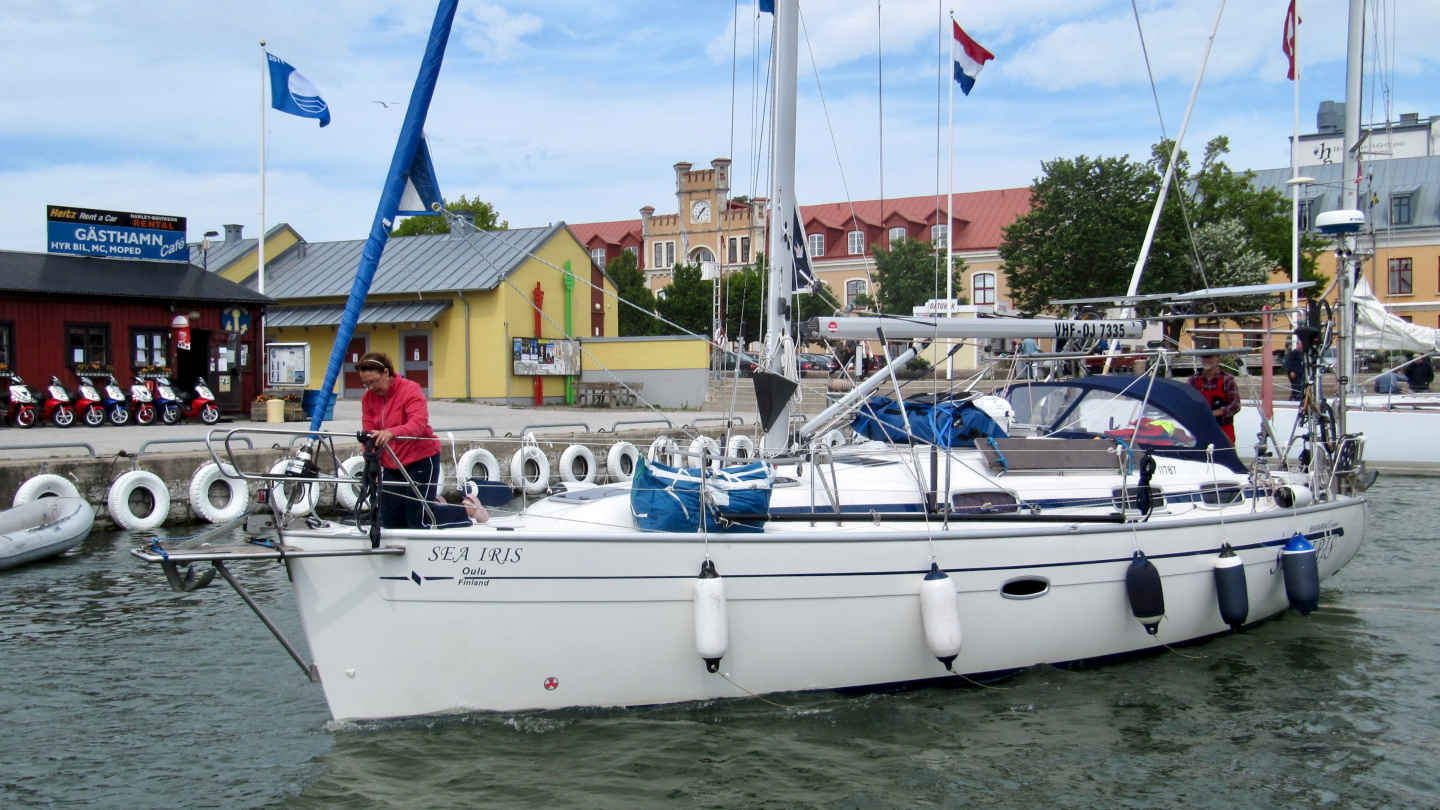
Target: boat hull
508 620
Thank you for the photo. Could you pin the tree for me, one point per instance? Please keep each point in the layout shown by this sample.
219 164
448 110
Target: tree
630 286
1230 258
686 301
907 275
486 219
744 302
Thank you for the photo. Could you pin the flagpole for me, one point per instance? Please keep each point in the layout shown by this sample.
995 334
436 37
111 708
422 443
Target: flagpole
1295 167
950 210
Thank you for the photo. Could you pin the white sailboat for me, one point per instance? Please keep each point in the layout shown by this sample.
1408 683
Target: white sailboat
1126 523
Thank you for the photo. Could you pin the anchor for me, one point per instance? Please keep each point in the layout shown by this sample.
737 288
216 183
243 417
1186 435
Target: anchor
189 582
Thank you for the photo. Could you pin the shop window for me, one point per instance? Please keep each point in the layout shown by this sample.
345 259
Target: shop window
982 285
7 345
149 347
856 243
815 244
87 344
1402 276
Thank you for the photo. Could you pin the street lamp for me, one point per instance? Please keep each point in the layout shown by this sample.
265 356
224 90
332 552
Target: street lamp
205 249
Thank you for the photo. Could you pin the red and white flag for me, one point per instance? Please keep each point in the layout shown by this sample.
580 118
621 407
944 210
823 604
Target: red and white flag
1287 44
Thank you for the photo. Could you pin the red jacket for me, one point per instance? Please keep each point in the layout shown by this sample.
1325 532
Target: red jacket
404 412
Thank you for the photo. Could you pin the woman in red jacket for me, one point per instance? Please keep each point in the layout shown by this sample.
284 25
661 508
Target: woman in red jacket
394 412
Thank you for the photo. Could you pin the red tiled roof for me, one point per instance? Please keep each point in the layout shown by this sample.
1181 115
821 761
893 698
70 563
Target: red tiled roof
610 233
979 215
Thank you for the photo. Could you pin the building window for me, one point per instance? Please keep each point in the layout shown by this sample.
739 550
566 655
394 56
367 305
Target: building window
940 234
745 249
598 256
88 343
857 243
633 251
702 254
853 288
7 345
149 347
1402 276
1400 209
982 285
815 244
664 254
732 253
897 235
1408 318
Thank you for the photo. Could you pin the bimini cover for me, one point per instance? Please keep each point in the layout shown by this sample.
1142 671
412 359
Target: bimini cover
667 499
948 424
1162 416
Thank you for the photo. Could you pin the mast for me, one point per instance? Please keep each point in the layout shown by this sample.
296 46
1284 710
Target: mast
783 219
1349 200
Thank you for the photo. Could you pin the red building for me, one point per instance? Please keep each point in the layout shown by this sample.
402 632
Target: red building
60 314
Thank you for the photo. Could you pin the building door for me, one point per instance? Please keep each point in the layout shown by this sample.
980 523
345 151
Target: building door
415 358
194 362
224 373
359 345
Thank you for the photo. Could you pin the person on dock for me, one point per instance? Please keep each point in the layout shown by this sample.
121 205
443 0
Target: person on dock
1294 365
1219 389
1420 374
393 410
1388 383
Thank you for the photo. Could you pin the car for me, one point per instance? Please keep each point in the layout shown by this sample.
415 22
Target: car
820 363
748 363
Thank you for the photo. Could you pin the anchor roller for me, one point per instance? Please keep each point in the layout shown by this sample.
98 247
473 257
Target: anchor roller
1302 574
712 626
940 613
1230 588
1147 596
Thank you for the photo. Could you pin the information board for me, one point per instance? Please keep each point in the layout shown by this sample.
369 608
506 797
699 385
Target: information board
287 365
115 234
543 356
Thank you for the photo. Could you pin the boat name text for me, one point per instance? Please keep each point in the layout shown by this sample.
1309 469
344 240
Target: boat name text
490 554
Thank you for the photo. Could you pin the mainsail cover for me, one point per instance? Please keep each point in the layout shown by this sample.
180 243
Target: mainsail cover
1377 329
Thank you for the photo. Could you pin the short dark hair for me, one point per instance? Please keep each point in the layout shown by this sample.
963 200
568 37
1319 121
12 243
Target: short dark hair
376 361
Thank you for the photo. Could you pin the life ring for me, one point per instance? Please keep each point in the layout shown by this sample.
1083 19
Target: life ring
295 500
237 493
621 461
347 495
706 445
525 456
740 447
47 485
581 458
489 466
117 501
662 451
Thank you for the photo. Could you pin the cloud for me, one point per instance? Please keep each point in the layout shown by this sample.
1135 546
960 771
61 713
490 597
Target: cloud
494 33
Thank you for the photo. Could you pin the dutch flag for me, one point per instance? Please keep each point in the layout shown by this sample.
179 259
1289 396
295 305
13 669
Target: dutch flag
969 58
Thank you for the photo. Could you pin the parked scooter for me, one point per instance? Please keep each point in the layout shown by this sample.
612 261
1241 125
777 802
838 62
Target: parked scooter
115 404
21 412
167 405
89 406
202 403
144 402
58 408
173 407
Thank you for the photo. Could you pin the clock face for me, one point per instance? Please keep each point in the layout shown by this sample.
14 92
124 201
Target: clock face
700 211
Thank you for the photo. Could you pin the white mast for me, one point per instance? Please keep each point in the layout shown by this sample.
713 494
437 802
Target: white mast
1295 166
1349 200
782 196
950 212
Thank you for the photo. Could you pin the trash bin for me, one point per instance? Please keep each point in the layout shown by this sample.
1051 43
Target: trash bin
308 400
274 410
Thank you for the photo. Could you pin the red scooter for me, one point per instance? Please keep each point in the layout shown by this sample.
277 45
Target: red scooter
21 412
144 402
57 405
174 407
89 405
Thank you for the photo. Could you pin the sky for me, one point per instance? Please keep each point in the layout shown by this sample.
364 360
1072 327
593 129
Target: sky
576 111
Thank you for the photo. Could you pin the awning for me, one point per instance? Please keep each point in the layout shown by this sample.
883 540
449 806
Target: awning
397 313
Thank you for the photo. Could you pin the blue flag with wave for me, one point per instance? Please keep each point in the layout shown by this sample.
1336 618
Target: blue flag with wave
291 92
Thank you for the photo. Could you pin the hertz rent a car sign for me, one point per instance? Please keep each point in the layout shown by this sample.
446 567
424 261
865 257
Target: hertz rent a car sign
115 234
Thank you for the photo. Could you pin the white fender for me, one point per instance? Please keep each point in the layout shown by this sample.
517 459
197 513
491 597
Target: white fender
833 438
117 501
577 456
294 500
238 494
489 467
47 485
740 447
518 479
940 613
621 461
707 444
712 625
662 451
347 495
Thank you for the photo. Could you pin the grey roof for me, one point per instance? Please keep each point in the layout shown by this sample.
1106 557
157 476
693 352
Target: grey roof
410 264
223 254
329 315
57 273
1418 177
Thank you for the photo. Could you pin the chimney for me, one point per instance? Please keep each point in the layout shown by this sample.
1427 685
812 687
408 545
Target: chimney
469 227
1330 118
1409 118
232 233
645 214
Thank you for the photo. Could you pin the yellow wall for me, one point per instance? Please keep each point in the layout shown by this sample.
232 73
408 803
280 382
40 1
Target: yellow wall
244 267
638 353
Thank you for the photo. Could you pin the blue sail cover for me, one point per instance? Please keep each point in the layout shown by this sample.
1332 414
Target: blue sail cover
948 424
406 154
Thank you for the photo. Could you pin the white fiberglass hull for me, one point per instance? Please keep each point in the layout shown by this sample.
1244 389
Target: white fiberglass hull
1401 432
482 619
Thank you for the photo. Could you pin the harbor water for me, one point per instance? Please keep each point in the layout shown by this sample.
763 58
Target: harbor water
115 692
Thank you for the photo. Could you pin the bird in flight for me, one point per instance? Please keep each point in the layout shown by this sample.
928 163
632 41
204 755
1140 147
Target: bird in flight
385 104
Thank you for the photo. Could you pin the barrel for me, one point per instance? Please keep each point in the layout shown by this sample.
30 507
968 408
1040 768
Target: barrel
310 399
274 410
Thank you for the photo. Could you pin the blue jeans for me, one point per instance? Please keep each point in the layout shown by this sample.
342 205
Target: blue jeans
402 508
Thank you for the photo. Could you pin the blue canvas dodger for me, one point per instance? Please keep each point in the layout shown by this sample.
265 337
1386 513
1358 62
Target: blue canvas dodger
949 424
667 499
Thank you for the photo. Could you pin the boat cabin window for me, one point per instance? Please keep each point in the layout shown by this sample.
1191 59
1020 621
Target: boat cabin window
1071 410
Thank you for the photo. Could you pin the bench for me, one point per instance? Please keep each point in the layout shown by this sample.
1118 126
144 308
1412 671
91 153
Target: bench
607 394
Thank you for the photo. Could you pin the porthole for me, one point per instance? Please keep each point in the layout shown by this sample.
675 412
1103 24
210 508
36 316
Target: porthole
1025 588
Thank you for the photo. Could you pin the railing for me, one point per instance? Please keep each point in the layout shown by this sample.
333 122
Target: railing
47 445
527 428
725 420
659 419
206 440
